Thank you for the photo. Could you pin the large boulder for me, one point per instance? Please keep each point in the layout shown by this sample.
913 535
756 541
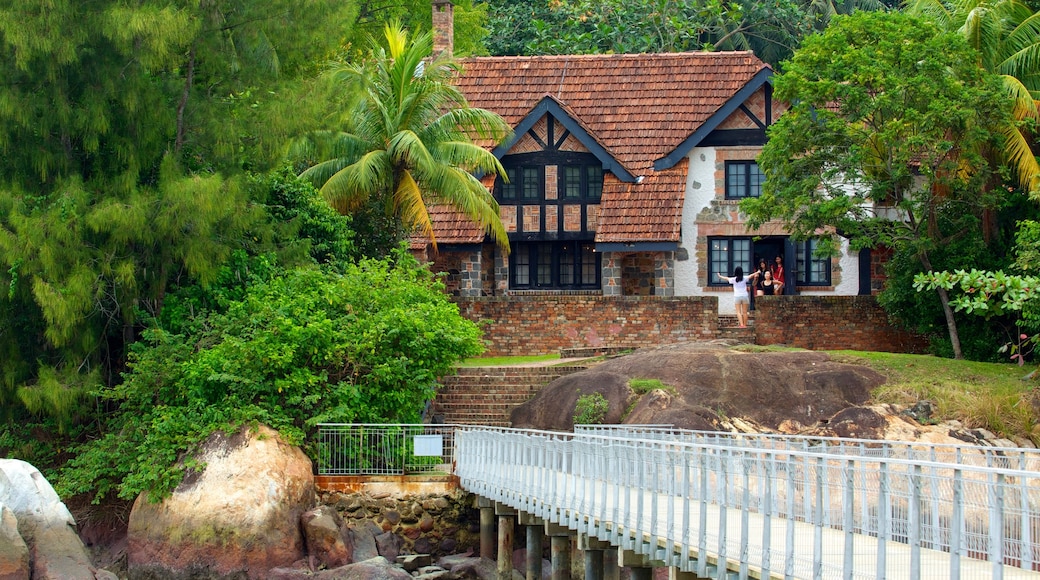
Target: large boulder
328 540
45 525
236 518
705 384
14 554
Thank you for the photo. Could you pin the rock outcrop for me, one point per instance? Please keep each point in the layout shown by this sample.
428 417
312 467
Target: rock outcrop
326 541
238 517
704 384
14 554
44 525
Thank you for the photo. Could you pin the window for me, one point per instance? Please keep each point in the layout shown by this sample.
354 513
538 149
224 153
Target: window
508 190
532 183
812 270
581 182
725 255
743 179
554 266
577 181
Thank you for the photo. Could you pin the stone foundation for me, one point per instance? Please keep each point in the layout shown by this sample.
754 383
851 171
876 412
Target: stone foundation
438 524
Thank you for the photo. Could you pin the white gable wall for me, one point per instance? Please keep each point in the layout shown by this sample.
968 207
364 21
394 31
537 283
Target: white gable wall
700 191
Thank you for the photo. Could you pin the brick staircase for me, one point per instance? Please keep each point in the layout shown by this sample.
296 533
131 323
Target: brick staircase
486 395
728 328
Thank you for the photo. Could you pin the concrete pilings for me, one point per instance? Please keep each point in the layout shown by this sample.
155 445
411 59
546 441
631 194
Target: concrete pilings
602 560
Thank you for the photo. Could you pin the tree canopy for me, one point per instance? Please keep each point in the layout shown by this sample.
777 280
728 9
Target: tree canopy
884 140
1006 37
771 29
302 347
124 130
408 140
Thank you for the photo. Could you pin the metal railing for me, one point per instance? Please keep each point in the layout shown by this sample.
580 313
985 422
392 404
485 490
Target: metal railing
374 449
1021 458
789 510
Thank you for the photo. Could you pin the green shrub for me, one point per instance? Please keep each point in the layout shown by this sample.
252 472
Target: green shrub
590 409
308 346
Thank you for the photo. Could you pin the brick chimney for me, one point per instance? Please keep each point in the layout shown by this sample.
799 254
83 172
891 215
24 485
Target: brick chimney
443 27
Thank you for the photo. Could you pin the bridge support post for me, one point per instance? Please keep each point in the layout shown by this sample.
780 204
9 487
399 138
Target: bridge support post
487 527
560 550
611 569
534 527
593 564
506 519
594 554
677 574
640 565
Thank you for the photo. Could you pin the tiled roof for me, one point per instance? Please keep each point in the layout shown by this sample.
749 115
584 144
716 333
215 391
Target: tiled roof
451 226
638 107
650 211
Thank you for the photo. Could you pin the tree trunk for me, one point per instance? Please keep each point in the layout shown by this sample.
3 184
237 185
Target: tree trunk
951 323
189 79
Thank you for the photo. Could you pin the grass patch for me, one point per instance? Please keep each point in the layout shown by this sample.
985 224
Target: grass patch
644 386
500 361
991 396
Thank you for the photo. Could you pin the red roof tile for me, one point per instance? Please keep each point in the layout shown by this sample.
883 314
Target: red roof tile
638 107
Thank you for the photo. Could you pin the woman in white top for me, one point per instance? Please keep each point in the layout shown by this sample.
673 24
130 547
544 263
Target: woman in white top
740 294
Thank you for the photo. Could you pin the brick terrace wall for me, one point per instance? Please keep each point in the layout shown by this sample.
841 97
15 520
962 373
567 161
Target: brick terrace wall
831 322
524 325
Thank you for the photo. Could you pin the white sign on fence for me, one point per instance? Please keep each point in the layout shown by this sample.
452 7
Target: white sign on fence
429 445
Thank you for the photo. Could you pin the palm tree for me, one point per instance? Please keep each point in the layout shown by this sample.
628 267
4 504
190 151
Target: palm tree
408 140
1006 34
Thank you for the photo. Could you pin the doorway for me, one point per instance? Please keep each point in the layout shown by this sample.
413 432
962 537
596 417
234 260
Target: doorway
768 248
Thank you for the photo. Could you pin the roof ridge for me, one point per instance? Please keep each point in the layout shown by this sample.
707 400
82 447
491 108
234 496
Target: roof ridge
567 57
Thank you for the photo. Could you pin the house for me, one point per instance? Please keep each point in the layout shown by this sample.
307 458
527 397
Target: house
624 178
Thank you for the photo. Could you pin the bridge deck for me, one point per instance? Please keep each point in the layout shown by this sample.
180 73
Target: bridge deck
672 527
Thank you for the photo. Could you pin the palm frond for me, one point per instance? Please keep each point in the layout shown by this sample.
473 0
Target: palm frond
469 157
411 207
464 192
352 185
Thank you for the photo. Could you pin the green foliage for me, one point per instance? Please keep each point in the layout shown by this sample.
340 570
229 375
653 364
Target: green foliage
305 219
772 29
885 140
124 130
406 141
881 101
590 409
1006 37
644 386
305 347
417 15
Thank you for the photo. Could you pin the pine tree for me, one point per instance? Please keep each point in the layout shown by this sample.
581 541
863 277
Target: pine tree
125 129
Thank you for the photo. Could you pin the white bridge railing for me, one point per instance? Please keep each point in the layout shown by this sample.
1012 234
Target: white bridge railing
771 506
987 456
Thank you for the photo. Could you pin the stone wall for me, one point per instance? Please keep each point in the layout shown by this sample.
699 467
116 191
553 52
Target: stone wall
546 323
438 523
831 323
